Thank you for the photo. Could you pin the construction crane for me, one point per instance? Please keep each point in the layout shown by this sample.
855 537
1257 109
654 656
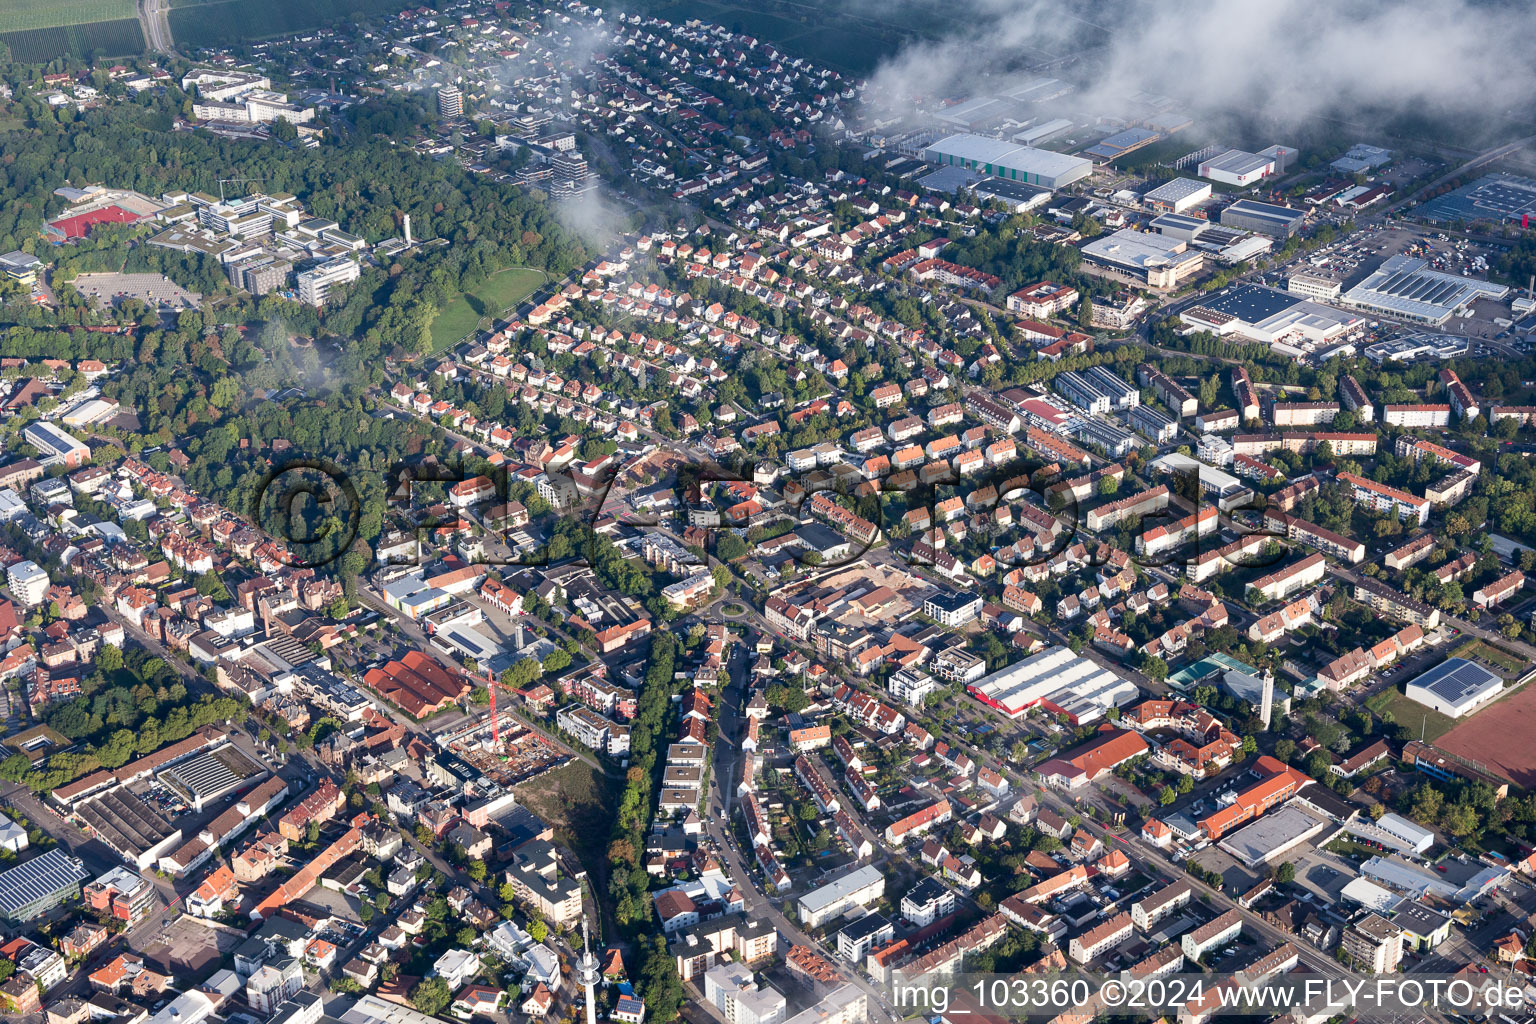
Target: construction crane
233 181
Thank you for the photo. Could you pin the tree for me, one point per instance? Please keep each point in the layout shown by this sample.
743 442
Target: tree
1108 485
1285 872
477 870
1085 312
431 997
538 931
1167 796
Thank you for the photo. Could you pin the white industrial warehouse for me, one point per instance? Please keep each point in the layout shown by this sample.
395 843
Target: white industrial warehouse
1062 681
1008 160
1405 287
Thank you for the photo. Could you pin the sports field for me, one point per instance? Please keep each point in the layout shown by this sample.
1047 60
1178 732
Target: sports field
501 291
21 15
1499 736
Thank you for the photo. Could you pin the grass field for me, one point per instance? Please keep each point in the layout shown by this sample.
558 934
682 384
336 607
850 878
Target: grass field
580 803
501 291
120 38
21 15
1410 713
1480 650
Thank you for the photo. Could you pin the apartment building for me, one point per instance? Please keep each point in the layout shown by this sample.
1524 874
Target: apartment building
1388 499
1375 943
1212 935
1417 417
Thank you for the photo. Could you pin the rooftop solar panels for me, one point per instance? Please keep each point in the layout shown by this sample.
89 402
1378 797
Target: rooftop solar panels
1455 686
1251 303
38 880
1500 197
1406 287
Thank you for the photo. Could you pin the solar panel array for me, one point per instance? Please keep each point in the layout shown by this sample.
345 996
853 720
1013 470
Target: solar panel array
1457 679
38 879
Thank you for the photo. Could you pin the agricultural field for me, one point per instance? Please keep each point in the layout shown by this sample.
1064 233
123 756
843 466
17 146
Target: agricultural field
42 30
120 38
198 23
501 291
850 43
24 15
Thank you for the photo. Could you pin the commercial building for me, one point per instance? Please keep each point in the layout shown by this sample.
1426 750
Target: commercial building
1151 261
1176 196
1008 160
315 284
1417 346
1407 289
40 884
1273 836
1236 167
56 446
1455 687
1312 285
1057 679
858 888
1254 313
1265 218
1278 784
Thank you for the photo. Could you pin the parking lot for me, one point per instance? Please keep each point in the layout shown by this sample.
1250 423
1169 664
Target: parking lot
155 290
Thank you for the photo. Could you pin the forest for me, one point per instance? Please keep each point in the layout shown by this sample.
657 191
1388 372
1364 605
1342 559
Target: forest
131 704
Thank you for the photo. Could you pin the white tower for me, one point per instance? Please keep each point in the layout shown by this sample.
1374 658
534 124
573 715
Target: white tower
1267 701
407 229
587 973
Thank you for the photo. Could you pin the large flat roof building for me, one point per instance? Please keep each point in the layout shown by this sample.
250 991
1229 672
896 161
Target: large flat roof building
1455 687
1159 262
1177 195
1279 221
1236 167
1008 160
38 885
1405 288
1272 317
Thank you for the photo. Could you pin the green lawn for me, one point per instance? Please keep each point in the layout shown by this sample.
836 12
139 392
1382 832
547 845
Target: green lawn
1478 649
500 292
1420 720
20 15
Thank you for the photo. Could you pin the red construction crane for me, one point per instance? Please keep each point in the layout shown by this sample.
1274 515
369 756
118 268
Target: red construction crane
490 684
